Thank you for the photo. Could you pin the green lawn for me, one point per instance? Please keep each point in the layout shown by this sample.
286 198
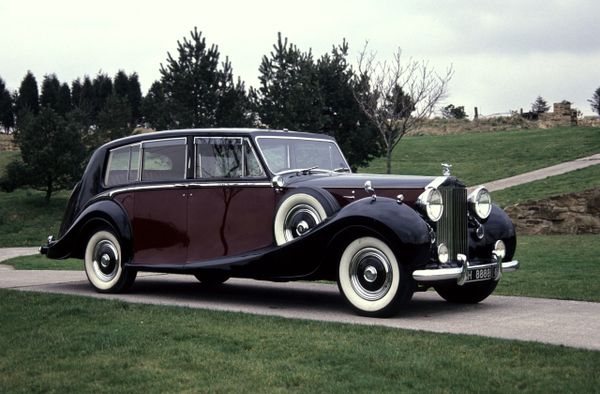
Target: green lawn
556 266
55 343
576 181
26 220
481 157
39 262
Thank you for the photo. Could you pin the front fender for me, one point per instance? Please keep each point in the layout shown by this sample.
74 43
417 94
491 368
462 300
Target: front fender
100 213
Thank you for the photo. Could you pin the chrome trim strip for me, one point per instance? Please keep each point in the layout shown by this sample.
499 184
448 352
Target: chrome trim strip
434 275
113 192
437 182
276 137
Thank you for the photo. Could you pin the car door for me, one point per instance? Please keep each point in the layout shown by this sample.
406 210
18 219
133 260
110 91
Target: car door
231 202
160 204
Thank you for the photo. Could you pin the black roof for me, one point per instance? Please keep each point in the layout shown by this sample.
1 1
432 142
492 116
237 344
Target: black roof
238 132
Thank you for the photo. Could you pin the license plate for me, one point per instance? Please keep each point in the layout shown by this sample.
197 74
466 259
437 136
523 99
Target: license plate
478 274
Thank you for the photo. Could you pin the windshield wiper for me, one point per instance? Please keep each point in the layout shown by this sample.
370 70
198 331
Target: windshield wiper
299 171
341 169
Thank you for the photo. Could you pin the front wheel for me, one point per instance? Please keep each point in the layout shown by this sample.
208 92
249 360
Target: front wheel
372 280
103 264
470 293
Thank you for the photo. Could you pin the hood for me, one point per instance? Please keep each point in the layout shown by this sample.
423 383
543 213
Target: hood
357 181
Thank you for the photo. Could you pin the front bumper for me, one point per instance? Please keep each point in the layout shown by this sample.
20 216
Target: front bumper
465 273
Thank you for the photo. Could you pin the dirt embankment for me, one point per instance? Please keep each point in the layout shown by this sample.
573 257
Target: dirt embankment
574 213
6 143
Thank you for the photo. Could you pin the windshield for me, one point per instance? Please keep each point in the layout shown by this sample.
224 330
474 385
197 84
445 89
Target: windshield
283 154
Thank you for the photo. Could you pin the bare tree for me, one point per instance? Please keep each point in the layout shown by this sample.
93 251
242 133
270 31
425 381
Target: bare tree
397 96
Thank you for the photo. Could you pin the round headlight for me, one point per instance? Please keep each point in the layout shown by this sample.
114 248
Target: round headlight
432 203
480 203
500 249
443 255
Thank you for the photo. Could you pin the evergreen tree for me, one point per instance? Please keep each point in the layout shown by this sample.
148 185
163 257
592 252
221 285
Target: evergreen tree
595 101
452 112
288 96
7 117
51 152
103 89
28 96
195 86
76 88
539 106
134 94
154 108
63 104
341 116
121 84
87 98
50 91
113 122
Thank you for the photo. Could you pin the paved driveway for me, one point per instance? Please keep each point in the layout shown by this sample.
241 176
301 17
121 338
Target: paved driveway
569 323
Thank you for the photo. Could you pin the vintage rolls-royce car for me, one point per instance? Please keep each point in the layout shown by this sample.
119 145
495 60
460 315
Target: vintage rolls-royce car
280 206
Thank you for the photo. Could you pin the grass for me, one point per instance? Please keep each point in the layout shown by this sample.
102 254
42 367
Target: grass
481 157
5 158
576 181
55 343
25 218
556 266
39 262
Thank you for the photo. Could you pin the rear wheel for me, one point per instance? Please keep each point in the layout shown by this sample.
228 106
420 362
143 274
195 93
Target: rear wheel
104 264
470 293
371 279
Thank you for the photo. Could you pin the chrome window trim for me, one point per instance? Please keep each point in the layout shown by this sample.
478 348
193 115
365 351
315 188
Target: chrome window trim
143 143
111 193
243 139
277 137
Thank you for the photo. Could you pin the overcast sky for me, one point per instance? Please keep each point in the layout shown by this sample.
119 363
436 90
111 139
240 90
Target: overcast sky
504 53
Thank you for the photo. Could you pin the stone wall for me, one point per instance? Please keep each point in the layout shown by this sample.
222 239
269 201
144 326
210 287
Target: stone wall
575 213
562 115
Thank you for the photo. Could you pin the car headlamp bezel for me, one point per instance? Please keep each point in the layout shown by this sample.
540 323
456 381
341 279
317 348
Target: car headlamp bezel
480 203
431 203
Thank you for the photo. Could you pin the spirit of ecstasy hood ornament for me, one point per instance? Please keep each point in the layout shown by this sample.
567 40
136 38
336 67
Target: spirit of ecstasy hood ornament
446 169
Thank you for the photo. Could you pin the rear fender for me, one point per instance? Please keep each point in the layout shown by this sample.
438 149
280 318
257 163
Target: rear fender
101 213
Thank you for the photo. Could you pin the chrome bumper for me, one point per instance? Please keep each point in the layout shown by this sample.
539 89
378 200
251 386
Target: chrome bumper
461 274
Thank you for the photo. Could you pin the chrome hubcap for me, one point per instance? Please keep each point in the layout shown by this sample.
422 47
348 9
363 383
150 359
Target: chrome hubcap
300 220
105 260
371 274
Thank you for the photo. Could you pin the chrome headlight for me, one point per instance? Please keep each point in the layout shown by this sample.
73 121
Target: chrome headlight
432 203
480 203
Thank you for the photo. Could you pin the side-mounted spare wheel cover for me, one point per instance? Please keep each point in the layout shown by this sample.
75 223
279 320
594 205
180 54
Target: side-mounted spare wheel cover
300 211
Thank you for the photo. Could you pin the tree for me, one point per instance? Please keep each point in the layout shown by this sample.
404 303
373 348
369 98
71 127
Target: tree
198 92
300 93
288 96
539 106
7 116
51 152
398 95
50 91
128 88
595 101
452 112
63 104
154 107
28 96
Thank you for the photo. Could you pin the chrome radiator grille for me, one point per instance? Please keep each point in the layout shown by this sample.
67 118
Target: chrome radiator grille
452 227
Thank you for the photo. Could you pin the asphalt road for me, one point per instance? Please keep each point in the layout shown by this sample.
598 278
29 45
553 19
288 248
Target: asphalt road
568 323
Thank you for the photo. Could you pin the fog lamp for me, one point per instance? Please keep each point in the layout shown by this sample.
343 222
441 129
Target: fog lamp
500 250
443 255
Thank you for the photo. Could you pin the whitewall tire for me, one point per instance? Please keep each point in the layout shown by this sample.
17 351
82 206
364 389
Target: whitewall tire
298 214
104 263
371 279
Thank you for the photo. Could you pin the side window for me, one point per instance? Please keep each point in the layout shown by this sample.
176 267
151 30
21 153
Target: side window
123 165
164 160
218 157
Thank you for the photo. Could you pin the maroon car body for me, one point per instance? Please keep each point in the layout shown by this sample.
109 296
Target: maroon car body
278 205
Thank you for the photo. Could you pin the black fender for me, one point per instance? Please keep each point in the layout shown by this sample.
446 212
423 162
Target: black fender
498 226
100 213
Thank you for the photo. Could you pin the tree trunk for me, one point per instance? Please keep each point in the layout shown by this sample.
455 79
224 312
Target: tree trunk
48 190
388 158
